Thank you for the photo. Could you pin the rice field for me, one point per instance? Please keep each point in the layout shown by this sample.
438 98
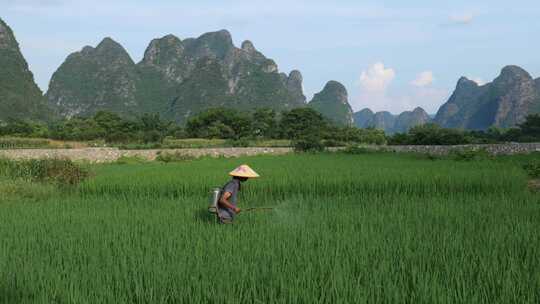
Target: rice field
373 228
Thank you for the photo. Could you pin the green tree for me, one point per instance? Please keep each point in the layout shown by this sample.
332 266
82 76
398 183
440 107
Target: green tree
301 123
531 127
431 134
219 123
356 135
264 123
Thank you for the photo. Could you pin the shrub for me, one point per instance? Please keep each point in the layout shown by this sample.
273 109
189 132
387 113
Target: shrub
358 150
130 160
241 142
357 135
23 143
469 154
431 134
219 123
533 168
308 144
59 171
333 143
174 157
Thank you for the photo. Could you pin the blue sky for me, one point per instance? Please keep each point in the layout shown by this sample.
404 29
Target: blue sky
391 55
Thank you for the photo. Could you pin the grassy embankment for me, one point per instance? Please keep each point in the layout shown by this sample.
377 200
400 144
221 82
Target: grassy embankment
168 143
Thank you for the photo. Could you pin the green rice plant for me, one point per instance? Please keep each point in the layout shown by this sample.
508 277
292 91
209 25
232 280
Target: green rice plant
365 228
60 171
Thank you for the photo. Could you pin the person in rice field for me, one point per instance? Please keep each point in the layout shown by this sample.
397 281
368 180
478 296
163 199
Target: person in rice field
228 201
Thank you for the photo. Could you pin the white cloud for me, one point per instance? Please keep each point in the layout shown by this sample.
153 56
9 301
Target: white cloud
373 84
376 78
423 79
462 19
397 101
377 93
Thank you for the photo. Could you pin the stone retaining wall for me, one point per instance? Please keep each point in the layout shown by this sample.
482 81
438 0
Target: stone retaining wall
493 149
103 155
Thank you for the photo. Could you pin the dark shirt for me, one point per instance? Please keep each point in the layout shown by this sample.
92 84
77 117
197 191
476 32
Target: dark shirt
232 187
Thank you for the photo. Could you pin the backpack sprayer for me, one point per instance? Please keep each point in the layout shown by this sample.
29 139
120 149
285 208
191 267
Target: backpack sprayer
214 201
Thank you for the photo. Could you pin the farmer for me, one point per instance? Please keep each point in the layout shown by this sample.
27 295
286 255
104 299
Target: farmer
227 205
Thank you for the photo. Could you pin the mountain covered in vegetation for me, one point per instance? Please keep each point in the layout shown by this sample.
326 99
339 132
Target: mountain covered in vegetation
96 79
176 78
391 123
503 103
333 103
20 97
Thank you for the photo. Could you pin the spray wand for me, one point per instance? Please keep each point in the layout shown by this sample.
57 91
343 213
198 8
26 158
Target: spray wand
258 209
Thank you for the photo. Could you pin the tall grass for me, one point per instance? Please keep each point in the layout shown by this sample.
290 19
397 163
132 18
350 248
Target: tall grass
60 171
23 143
345 229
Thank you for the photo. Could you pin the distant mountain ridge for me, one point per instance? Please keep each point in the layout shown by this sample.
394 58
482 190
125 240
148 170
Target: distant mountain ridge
100 78
333 103
391 123
20 97
503 103
175 78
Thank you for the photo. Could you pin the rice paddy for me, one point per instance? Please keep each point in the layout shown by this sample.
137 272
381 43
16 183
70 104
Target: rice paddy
373 228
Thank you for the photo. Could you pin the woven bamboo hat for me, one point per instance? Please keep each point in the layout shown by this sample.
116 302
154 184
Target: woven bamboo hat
244 171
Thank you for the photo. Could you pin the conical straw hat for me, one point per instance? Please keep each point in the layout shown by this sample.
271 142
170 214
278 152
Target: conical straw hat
244 171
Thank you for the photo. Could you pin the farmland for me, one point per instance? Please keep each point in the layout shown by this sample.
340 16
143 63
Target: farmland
345 229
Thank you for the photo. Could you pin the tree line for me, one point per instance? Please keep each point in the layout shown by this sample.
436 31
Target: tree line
432 134
306 127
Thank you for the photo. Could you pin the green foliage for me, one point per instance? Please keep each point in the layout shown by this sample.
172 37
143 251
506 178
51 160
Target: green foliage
59 171
24 143
23 128
469 154
351 228
302 122
308 143
146 129
170 157
16 190
356 135
533 168
219 123
333 143
130 160
264 123
530 129
241 142
358 150
236 128
430 134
